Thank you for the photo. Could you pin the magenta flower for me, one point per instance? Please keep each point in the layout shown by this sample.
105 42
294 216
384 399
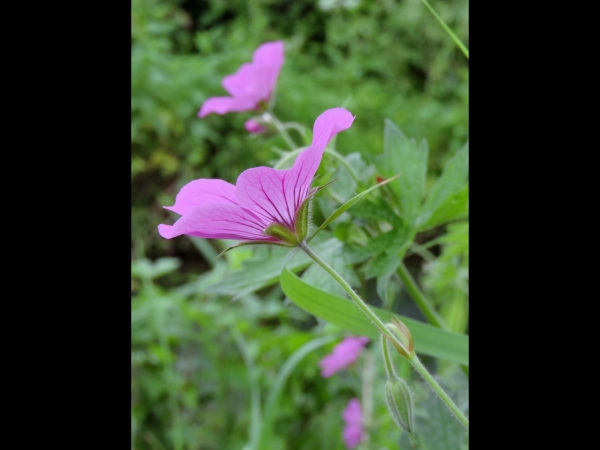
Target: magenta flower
252 126
251 85
266 205
344 354
353 429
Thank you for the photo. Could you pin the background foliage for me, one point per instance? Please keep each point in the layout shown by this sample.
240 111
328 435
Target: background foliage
208 336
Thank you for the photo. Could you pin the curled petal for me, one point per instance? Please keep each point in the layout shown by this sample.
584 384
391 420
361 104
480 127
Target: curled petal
275 195
203 192
269 54
216 221
223 105
268 58
330 123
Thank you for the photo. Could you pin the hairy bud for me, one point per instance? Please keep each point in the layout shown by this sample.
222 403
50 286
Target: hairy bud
399 402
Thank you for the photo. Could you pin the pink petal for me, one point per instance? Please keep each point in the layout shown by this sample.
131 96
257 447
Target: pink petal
268 58
275 195
216 221
269 54
223 105
203 192
352 435
263 192
240 84
343 355
353 428
329 365
330 123
353 412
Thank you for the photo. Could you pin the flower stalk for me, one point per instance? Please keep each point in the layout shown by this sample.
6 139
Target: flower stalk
426 308
269 117
383 329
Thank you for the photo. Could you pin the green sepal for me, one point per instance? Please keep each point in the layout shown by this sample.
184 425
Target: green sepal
242 244
301 221
283 234
303 214
399 402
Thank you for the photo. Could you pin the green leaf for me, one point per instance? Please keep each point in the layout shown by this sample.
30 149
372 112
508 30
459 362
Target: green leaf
404 156
383 264
394 243
387 291
428 340
377 209
347 206
449 196
282 376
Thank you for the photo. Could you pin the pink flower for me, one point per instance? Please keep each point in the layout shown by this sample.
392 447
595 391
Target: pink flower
353 430
252 126
251 85
265 204
344 354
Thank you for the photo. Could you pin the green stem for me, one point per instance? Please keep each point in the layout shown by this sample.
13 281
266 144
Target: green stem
362 305
301 129
426 308
448 30
389 368
419 367
367 396
281 129
345 163
413 359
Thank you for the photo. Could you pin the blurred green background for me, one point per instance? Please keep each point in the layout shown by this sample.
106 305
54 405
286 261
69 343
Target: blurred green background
382 59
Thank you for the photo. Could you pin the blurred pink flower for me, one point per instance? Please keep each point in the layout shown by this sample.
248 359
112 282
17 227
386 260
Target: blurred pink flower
251 85
252 126
353 430
344 354
261 199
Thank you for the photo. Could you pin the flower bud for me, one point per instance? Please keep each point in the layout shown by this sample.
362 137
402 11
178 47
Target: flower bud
399 403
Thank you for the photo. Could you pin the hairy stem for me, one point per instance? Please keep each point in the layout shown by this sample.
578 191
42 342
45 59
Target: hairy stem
367 395
412 358
281 129
389 368
424 305
359 302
